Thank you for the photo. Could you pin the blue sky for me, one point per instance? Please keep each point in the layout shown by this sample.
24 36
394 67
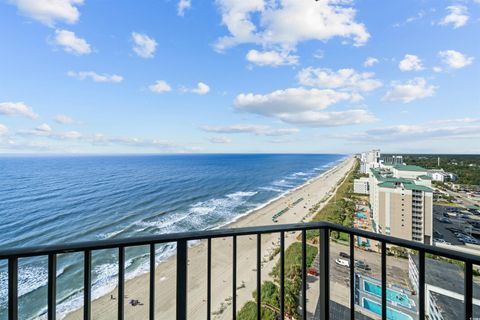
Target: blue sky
84 76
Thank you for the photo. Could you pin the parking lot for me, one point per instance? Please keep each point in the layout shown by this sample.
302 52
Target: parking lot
461 222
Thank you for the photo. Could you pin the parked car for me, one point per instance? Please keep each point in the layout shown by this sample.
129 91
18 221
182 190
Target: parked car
445 220
471 241
344 255
437 234
362 265
342 262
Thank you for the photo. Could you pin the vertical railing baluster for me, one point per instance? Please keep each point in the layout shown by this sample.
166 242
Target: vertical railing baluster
259 276
282 275
151 304
182 268
121 282
209 277
234 278
87 285
13 288
421 284
304 275
352 276
384 280
468 287
52 286
324 274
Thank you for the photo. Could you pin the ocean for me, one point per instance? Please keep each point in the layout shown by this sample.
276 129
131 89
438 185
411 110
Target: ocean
48 200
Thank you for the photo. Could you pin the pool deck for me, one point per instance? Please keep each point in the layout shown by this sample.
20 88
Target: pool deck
361 294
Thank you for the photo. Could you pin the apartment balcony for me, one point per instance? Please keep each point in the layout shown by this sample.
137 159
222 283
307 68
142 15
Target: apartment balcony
322 232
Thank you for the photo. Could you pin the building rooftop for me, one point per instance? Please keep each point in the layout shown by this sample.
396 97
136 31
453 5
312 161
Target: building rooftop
409 184
409 167
425 177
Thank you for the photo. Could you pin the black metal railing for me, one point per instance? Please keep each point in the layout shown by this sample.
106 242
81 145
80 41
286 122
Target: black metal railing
181 239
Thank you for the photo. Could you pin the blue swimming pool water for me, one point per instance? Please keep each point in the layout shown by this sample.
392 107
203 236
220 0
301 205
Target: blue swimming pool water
363 240
392 295
392 314
361 215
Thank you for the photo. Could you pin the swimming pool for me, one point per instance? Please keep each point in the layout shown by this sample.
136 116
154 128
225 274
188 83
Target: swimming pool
395 296
363 242
392 314
361 215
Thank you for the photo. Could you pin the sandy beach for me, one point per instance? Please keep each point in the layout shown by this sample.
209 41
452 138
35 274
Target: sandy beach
313 192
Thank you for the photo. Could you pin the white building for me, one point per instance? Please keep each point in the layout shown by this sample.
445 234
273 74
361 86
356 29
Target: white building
361 186
408 171
369 160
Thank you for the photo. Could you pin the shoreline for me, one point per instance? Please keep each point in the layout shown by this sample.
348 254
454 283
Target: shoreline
317 189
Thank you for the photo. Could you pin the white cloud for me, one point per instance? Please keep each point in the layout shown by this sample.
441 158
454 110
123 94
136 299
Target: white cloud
17 109
144 46
3 130
160 86
410 63
370 61
319 54
285 23
63 119
202 88
271 58
409 91
427 131
82 75
44 128
256 129
50 11
183 5
220 140
457 16
71 43
341 79
411 19
455 59
303 106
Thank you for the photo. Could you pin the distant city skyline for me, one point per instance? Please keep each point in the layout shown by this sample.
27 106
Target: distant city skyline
225 76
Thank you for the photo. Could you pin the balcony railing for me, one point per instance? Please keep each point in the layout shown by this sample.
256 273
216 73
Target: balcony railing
181 239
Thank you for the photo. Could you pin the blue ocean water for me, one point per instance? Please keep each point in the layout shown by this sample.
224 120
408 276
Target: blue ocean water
46 200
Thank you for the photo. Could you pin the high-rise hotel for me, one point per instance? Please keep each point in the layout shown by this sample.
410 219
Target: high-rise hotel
401 200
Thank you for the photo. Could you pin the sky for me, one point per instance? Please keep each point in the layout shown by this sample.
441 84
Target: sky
239 76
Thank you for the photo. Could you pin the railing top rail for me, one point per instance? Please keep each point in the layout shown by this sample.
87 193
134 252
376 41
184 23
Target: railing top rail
229 232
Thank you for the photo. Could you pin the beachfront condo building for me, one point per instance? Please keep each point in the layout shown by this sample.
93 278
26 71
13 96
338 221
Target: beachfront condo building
361 186
369 160
402 203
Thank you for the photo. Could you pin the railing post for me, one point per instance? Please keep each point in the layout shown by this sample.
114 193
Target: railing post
121 282
52 286
324 274
209 277
304 275
13 288
234 278
87 285
352 276
182 267
282 275
151 304
421 284
468 287
384 280
259 276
